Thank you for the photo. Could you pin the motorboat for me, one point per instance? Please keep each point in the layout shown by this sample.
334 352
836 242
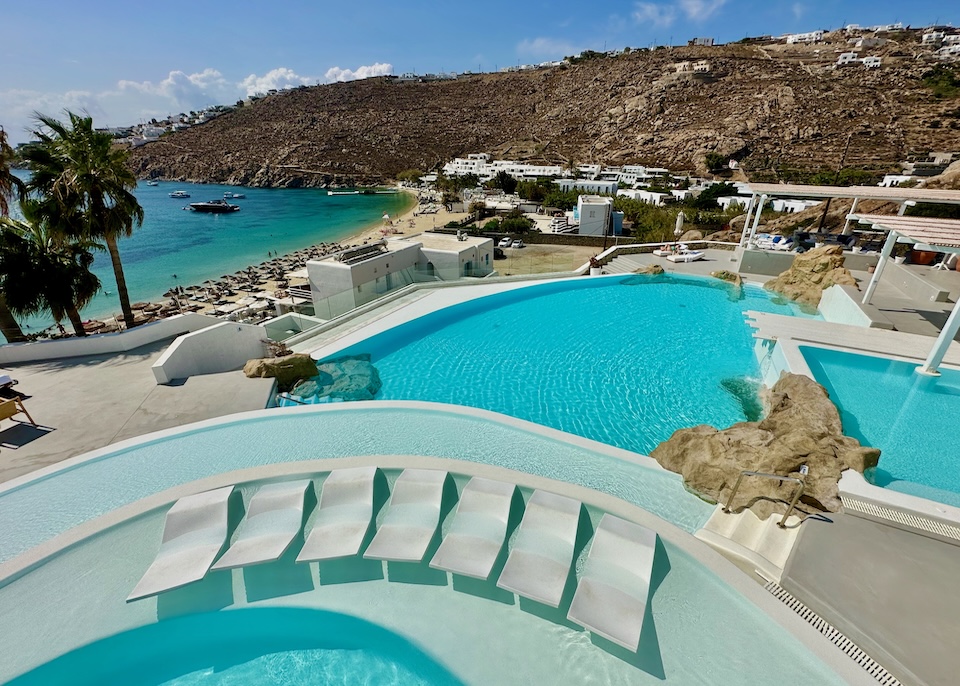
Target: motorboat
153 183
214 206
233 196
179 194
343 192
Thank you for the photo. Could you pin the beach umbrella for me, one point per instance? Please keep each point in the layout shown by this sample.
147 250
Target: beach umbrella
678 228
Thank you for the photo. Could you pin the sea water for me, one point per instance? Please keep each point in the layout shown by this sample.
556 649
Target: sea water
178 247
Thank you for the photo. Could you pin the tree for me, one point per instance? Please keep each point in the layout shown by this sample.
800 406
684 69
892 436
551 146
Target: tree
707 200
410 175
715 161
82 175
42 268
9 186
505 182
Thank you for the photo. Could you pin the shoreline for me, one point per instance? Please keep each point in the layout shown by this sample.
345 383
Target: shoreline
217 297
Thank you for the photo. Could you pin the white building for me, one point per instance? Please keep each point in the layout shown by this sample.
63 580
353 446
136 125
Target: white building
594 215
728 202
649 197
891 180
341 282
706 42
847 59
587 185
867 42
949 50
701 67
871 62
790 205
952 39
809 37
932 38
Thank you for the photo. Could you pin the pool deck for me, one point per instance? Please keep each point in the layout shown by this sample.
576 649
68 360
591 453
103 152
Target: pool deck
85 403
890 591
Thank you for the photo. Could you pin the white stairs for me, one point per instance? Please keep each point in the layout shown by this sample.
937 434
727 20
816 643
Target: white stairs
623 264
759 543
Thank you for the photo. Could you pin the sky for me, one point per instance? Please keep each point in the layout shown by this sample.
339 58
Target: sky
126 62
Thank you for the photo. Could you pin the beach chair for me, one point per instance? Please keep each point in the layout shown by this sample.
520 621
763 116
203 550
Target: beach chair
689 256
476 536
611 598
539 561
274 518
193 535
14 406
343 516
411 519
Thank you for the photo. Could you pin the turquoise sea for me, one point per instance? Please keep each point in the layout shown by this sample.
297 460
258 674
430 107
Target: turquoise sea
178 247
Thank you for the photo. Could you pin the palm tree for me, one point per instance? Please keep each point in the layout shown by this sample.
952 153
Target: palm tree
43 268
8 185
79 171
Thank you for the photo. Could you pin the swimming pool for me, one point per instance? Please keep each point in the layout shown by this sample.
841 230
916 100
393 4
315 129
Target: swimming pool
885 404
624 361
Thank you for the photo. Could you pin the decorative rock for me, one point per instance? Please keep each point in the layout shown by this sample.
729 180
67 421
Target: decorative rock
725 275
811 273
650 269
344 378
802 427
691 235
287 370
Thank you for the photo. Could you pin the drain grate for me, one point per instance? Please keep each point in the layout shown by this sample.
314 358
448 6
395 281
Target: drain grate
871 666
910 519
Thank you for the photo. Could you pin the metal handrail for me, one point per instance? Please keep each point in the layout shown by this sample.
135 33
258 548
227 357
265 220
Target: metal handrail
776 477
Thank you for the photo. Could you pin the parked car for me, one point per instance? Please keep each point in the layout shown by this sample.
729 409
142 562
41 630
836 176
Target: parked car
498 254
517 244
505 242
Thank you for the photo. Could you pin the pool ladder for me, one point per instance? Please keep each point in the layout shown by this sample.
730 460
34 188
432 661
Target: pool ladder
776 477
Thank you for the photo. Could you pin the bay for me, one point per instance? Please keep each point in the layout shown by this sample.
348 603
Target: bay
177 247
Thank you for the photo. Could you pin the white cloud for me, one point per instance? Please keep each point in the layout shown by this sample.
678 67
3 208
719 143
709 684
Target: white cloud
17 107
662 15
799 9
278 78
545 47
365 72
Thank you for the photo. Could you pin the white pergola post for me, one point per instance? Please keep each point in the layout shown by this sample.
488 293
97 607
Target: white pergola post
756 221
884 256
746 220
847 227
947 333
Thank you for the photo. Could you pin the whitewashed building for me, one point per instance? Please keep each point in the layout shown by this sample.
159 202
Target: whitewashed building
871 62
594 214
847 59
809 37
587 185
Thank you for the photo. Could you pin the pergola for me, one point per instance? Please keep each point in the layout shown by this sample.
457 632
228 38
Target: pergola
902 196
941 235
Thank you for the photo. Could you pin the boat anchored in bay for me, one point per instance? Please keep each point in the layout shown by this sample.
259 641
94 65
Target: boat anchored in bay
214 206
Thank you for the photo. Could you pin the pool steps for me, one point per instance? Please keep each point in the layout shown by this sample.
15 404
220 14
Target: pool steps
759 543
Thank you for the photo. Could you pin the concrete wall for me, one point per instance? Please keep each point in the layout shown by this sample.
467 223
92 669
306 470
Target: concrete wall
775 263
841 304
329 278
913 284
223 347
105 343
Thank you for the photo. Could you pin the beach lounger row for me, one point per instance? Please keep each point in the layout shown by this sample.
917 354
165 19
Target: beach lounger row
610 599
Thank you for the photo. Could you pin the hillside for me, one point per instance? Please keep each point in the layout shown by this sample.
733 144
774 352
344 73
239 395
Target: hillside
773 106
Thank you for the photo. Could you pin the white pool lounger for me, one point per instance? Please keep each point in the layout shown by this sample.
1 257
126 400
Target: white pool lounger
475 537
611 598
274 518
412 517
193 535
539 562
343 516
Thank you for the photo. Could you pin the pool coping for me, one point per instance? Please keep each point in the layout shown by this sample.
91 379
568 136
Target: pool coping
824 650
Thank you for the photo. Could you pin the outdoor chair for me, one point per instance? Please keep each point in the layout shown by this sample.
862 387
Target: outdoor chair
14 406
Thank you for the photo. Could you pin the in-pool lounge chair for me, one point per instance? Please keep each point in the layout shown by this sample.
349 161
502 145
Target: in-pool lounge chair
539 561
193 535
412 517
343 516
274 518
611 598
475 537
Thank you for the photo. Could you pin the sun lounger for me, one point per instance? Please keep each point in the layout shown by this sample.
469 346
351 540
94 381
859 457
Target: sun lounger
611 598
193 535
539 562
412 517
343 516
690 256
274 518
475 537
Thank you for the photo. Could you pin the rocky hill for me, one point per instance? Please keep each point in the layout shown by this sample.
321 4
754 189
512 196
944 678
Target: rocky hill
770 106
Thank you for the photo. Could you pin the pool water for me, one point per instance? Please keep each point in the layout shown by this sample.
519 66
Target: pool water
910 417
624 361
249 646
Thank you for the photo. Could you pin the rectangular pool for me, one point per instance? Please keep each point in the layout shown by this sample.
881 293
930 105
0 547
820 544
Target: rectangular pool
910 417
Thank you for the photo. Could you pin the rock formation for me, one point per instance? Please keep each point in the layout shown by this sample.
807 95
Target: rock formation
287 370
802 427
649 269
811 273
344 378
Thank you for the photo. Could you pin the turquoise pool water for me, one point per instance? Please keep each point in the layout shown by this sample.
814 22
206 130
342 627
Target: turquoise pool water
885 404
257 646
624 361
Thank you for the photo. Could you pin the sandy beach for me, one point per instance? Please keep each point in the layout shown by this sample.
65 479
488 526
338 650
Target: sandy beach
249 294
